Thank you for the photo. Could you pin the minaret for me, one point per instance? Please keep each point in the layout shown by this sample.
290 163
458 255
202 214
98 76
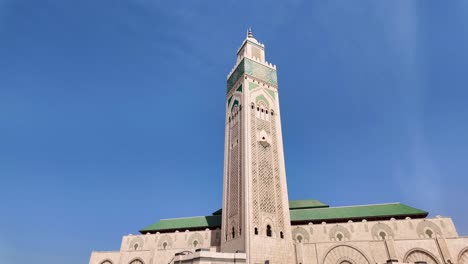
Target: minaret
255 198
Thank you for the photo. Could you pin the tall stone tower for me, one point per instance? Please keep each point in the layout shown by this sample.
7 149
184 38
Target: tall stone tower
255 198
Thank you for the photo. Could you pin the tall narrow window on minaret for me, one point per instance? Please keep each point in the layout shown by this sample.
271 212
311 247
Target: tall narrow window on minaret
268 231
256 231
233 233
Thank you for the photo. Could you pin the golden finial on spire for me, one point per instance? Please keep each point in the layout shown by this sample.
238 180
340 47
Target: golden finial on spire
249 33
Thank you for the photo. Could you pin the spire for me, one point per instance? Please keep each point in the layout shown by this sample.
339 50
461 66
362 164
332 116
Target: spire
250 48
249 33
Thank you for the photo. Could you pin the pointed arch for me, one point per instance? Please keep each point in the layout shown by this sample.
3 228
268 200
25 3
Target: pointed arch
260 95
339 233
137 261
234 104
463 256
299 234
425 225
345 254
235 99
195 240
378 228
165 242
262 99
136 243
420 255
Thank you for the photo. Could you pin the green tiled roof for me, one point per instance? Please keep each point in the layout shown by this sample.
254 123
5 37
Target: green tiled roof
294 205
185 223
356 212
303 204
315 211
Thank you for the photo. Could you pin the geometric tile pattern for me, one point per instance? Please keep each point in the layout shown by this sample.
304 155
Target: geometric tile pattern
254 69
234 177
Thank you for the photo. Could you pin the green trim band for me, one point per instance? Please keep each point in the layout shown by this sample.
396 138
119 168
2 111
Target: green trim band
254 69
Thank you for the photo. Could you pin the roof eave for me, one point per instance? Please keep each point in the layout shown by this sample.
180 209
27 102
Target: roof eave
356 219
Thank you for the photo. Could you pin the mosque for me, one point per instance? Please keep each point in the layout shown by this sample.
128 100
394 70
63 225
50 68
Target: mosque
259 225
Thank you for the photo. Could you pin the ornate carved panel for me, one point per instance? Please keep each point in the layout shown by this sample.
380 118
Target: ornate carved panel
345 254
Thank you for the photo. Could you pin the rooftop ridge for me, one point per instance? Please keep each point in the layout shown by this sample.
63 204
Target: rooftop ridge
295 200
311 214
361 205
187 217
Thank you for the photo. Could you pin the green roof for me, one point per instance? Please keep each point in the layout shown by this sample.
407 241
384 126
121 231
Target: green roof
294 205
185 223
396 210
303 204
300 211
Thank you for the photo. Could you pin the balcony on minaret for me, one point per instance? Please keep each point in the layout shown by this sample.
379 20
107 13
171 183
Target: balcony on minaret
264 139
251 49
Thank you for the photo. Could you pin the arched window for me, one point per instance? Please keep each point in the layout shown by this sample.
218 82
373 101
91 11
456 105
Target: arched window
106 262
281 234
420 256
233 233
256 231
164 245
429 233
268 231
135 247
339 236
383 235
136 261
299 238
195 243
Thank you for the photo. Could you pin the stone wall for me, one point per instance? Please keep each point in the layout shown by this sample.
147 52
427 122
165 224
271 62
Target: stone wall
410 240
159 248
405 241
375 230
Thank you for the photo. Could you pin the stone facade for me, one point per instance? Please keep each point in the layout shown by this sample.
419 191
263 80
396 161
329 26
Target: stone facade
256 225
403 241
409 240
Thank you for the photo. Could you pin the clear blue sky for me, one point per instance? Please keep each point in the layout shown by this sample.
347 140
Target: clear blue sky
112 112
